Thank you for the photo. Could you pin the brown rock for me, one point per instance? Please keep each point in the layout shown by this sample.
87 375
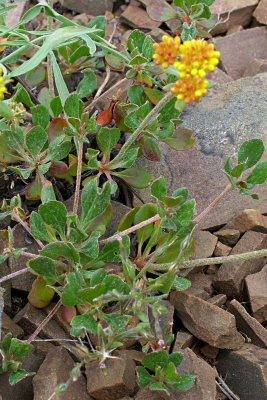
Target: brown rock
119 379
257 291
255 67
248 325
245 371
157 34
22 240
218 300
29 318
205 244
220 77
201 281
183 340
248 44
14 16
221 250
209 351
234 29
206 321
146 394
205 385
135 355
136 17
90 7
248 220
261 12
231 275
55 370
218 112
229 237
200 293
234 13
8 325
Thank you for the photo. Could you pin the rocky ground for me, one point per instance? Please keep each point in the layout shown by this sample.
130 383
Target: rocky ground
220 322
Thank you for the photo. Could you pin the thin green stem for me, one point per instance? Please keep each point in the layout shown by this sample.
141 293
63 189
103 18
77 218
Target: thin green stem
214 260
78 178
153 113
50 74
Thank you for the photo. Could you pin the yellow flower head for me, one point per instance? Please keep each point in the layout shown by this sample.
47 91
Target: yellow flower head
3 89
167 51
193 59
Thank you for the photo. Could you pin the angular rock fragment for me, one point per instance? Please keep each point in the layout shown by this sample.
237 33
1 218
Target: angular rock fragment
229 237
90 7
245 371
261 12
231 275
207 322
56 370
234 13
255 67
218 300
248 325
248 44
205 244
183 340
117 381
205 385
136 17
256 285
221 250
248 220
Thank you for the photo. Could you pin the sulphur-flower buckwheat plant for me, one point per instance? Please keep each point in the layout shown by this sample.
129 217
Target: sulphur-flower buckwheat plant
193 60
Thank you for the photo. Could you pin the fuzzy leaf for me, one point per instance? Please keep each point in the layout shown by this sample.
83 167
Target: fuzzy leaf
88 84
144 378
40 116
136 177
258 175
43 266
250 152
36 139
54 214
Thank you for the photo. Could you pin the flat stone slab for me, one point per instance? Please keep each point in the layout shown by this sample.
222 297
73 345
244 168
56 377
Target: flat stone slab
229 115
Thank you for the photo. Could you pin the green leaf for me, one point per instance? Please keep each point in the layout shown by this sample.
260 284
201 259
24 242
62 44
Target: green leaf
148 49
154 360
184 383
159 386
54 214
189 31
5 111
181 139
181 284
40 116
136 40
60 251
38 228
36 139
17 376
136 95
159 188
144 378
165 282
145 212
99 22
56 106
176 358
59 80
89 294
88 84
70 295
43 266
113 282
115 62
52 42
111 251
22 96
136 177
73 106
153 95
151 149
258 175
59 148
47 192
107 138
19 349
84 322
250 152
94 202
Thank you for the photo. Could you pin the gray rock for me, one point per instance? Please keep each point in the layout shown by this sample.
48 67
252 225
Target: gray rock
245 371
90 7
261 12
256 66
222 121
257 292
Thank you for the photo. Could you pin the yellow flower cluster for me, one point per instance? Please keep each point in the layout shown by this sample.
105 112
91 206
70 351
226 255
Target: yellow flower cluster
167 51
3 89
194 59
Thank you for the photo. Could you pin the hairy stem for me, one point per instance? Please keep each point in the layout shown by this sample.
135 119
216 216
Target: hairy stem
45 322
153 113
50 74
16 218
78 178
213 203
131 230
215 260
